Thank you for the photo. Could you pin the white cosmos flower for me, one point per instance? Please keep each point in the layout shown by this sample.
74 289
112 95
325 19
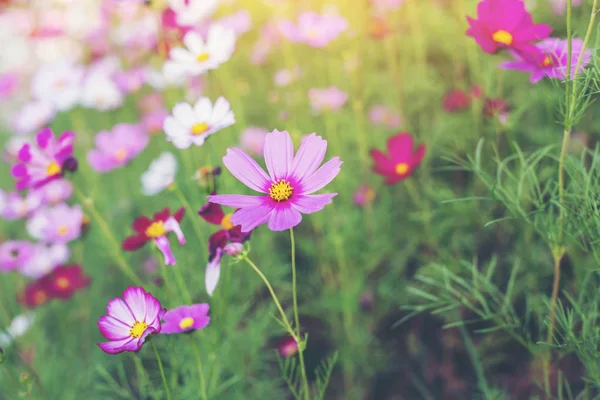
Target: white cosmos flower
160 174
101 92
200 56
33 116
58 84
18 327
189 125
191 12
172 74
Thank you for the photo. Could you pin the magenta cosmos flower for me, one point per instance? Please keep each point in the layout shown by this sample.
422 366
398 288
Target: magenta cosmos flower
118 147
313 29
550 60
13 254
288 188
185 318
38 165
505 24
130 320
402 159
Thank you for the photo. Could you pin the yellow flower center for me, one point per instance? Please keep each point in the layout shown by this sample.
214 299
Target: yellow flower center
63 230
226 222
138 329
40 297
62 283
199 129
186 323
402 168
280 190
121 154
157 229
202 57
503 37
53 169
547 61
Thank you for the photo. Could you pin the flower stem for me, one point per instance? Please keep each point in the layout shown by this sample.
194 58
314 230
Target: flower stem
125 268
200 371
297 319
162 371
190 210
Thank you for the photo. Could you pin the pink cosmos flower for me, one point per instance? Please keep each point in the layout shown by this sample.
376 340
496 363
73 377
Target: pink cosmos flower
18 206
560 6
240 22
153 121
365 194
383 115
13 254
329 99
402 159
130 320
117 147
58 224
185 318
268 39
8 84
38 165
288 188
43 259
505 24
314 29
550 60
252 140
32 117
130 81
55 192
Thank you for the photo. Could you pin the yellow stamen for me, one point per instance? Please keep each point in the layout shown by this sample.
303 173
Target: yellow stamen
503 37
202 57
63 283
138 329
53 169
186 323
157 229
199 129
280 190
63 230
226 223
402 168
121 154
547 61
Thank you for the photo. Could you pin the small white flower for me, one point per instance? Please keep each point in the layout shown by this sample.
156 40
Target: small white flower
191 12
33 116
172 74
101 92
190 125
44 259
160 174
58 84
200 56
18 327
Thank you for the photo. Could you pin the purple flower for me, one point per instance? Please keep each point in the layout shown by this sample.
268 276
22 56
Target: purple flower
44 259
58 224
13 254
33 116
130 81
117 147
130 320
18 206
551 60
327 99
38 165
289 187
185 318
55 192
313 29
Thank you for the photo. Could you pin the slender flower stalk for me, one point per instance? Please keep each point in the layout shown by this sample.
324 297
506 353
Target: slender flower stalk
203 392
162 371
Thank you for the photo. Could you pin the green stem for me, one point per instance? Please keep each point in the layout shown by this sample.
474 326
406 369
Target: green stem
200 371
297 318
190 211
125 268
162 371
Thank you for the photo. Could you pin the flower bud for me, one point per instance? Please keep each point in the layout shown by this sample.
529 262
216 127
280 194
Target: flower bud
24 378
234 249
70 165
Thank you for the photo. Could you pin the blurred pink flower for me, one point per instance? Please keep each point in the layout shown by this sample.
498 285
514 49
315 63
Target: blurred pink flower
33 116
185 319
192 12
253 140
239 22
153 121
55 192
58 224
268 39
365 194
9 82
328 99
18 206
560 6
381 114
130 81
383 6
116 148
284 77
314 29
13 254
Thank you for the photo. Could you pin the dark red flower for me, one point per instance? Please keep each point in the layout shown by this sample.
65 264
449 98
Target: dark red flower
156 229
494 107
456 100
402 159
64 281
34 295
213 214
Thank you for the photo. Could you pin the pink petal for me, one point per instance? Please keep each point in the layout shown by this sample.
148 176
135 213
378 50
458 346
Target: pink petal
309 156
400 147
164 246
113 329
322 176
312 203
279 154
244 168
119 346
236 200
135 297
284 217
251 217
171 225
119 310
